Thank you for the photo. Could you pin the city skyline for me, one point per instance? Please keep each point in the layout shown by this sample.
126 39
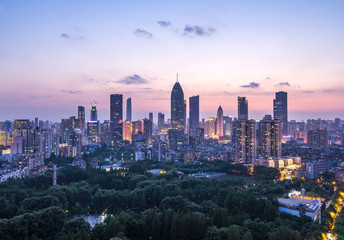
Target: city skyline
221 50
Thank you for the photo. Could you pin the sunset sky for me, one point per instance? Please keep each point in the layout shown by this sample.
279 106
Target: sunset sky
56 55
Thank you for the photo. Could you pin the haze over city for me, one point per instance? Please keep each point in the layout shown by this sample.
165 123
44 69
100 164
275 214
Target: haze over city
58 55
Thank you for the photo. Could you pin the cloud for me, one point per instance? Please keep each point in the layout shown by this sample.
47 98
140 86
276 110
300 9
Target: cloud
74 34
133 80
88 80
143 33
70 91
164 23
251 85
284 84
65 35
0 8
198 30
306 91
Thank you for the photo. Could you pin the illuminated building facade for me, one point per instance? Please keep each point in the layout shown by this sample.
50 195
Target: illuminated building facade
94 115
93 131
116 116
129 113
318 139
128 127
269 138
244 141
81 117
281 110
219 124
161 120
193 114
177 107
211 127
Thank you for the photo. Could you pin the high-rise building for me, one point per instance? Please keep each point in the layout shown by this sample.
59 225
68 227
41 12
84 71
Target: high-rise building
161 120
242 108
36 122
136 130
211 127
66 129
128 127
81 117
177 107
227 125
269 138
318 139
244 141
219 123
185 120
281 110
93 131
150 117
193 114
129 117
93 116
21 124
147 130
116 116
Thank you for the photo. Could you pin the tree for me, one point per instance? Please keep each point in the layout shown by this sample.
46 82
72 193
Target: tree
284 233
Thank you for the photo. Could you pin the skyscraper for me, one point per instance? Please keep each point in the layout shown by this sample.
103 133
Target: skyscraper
244 141
193 113
151 117
211 127
93 115
177 107
242 108
116 116
318 139
185 120
81 117
281 110
227 125
129 117
219 123
161 120
147 130
269 138
128 127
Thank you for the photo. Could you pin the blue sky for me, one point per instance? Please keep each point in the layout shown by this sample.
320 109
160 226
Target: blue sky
55 55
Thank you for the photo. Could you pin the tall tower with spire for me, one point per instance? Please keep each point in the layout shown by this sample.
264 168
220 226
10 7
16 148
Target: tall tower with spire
177 107
219 123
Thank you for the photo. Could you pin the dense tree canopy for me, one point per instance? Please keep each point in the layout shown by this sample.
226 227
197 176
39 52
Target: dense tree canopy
140 205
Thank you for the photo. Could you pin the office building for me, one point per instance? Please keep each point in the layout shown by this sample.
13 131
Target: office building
150 117
93 115
21 124
116 116
147 130
161 120
81 117
318 139
93 131
211 127
281 110
177 107
219 123
193 114
128 128
227 126
129 113
242 108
